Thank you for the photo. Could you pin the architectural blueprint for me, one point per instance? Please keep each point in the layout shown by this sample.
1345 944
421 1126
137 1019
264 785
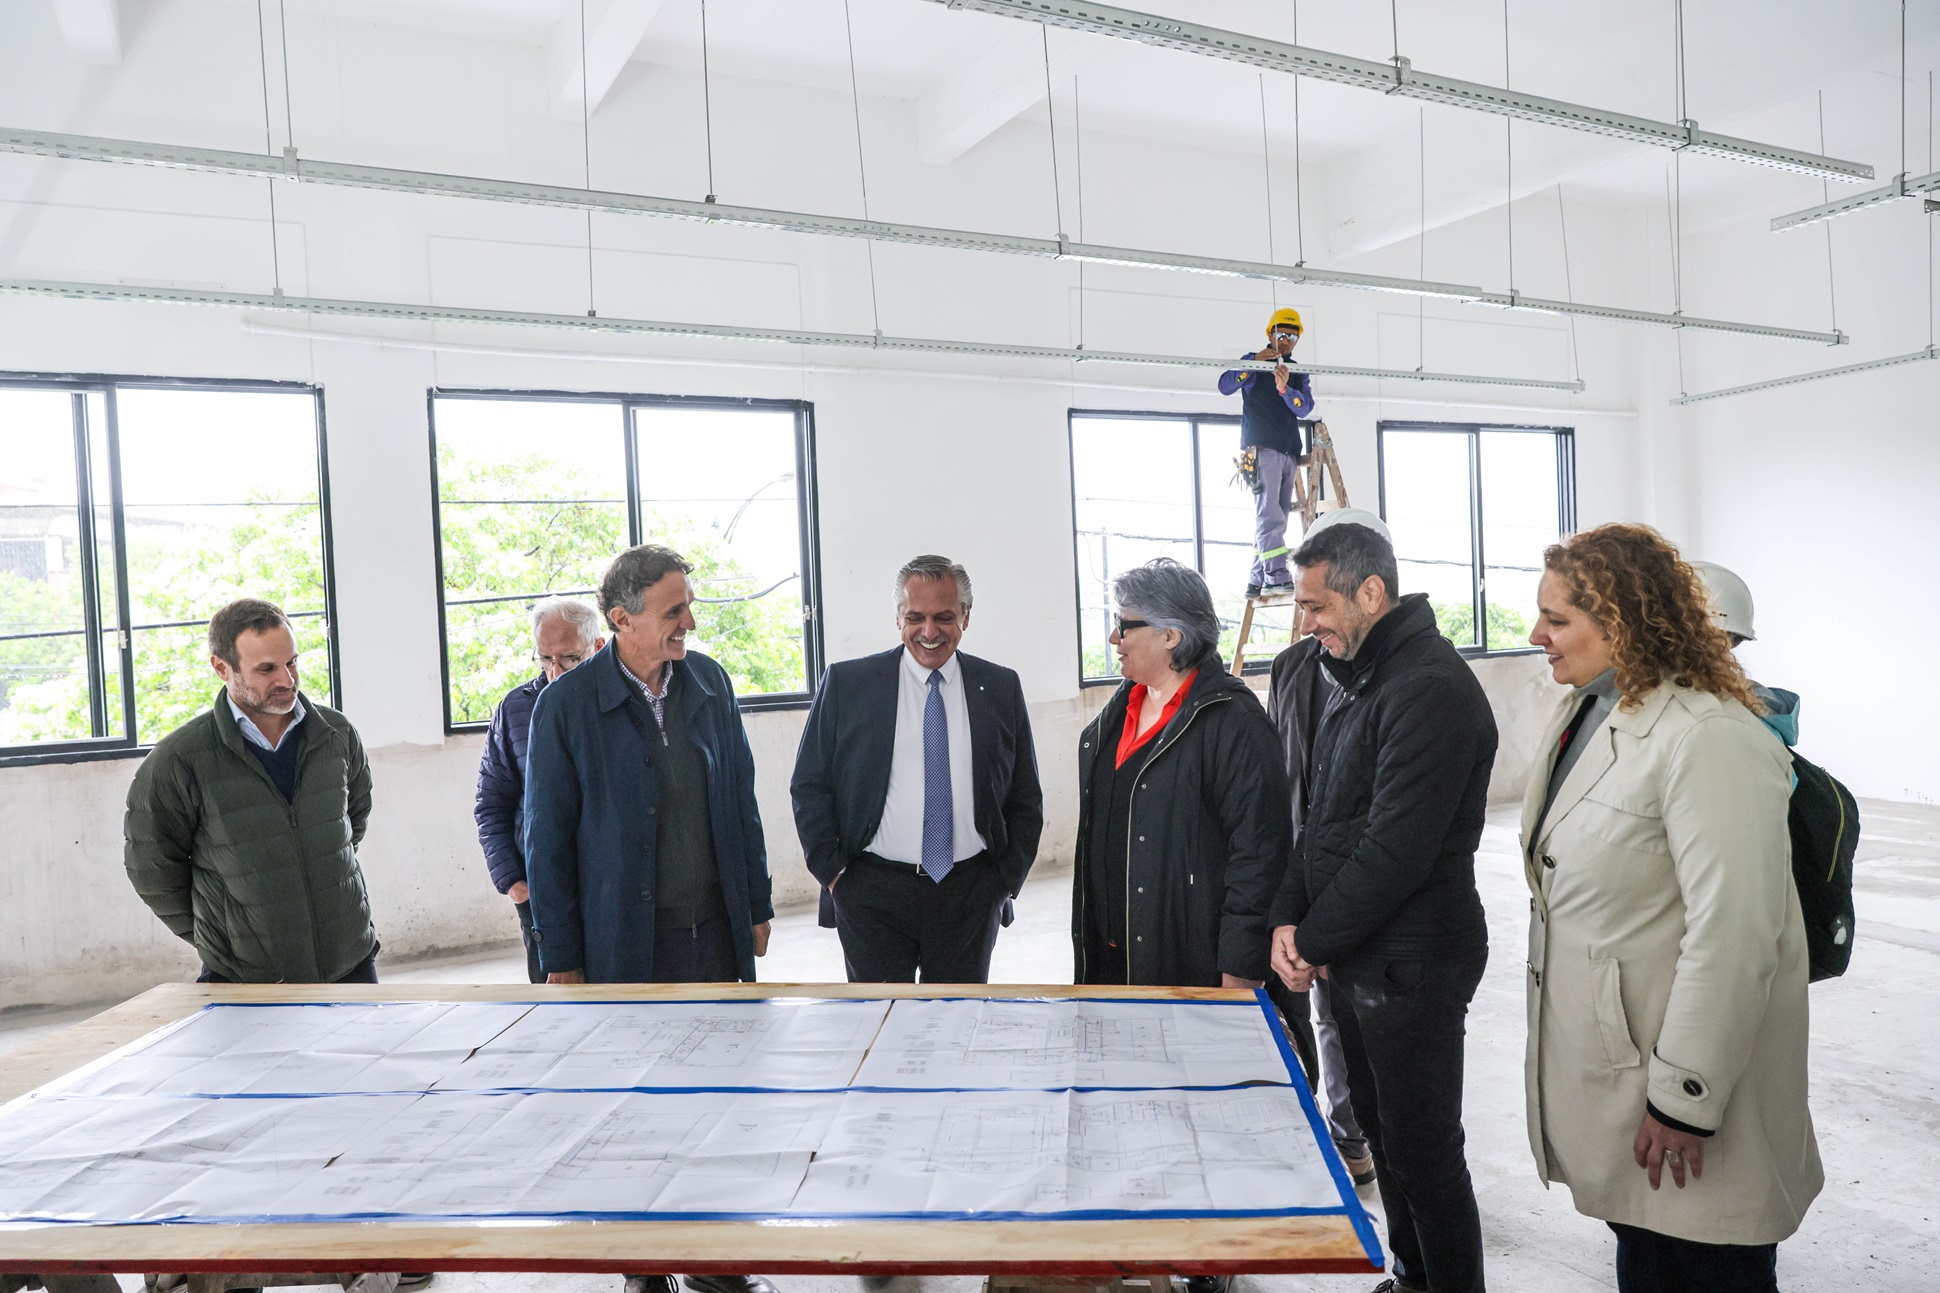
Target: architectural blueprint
1071 1042
774 1108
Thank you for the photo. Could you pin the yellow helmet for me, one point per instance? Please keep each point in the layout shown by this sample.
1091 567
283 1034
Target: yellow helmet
1287 318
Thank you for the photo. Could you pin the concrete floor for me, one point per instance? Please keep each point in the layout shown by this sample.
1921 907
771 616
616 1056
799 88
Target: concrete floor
1875 1081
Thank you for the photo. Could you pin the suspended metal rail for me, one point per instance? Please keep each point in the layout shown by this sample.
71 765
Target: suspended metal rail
44 288
288 165
1796 379
1400 78
1900 188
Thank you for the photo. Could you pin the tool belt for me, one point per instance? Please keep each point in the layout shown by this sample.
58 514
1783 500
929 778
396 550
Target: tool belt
1247 469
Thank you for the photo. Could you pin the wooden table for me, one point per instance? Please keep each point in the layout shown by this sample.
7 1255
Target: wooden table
1100 1249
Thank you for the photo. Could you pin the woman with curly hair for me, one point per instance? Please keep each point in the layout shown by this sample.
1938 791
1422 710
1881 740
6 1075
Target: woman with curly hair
1667 956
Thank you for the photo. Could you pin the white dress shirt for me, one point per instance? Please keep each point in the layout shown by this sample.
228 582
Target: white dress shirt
900 837
254 734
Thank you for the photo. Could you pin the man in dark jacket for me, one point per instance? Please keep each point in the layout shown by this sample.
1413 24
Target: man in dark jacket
643 844
1383 893
243 823
565 632
916 792
1183 824
1271 406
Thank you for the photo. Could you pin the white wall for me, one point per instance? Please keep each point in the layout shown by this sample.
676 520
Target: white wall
963 464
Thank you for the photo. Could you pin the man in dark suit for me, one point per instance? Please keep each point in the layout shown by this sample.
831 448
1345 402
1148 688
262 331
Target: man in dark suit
916 794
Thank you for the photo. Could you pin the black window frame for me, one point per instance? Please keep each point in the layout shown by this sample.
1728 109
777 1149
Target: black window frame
87 489
1228 423
808 513
1565 438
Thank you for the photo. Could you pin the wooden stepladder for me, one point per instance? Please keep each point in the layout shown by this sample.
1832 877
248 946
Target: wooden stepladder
1308 481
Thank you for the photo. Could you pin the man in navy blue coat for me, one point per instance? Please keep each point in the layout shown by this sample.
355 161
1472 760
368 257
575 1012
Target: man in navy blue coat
565 633
643 844
916 793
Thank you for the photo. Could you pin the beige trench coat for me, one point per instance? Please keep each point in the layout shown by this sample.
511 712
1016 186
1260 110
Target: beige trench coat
1667 963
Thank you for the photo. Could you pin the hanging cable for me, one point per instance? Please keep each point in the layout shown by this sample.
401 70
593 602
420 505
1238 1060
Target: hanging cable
283 32
707 103
1421 243
269 149
1051 114
1078 142
1903 88
1677 63
1569 287
586 153
1671 196
1509 157
1266 169
861 166
1394 27
1831 290
1931 223
1299 209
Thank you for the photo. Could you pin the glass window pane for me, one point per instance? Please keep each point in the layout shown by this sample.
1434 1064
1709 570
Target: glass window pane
1426 495
531 502
1520 518
221 501
1131 482
718 486
1227 510
43 627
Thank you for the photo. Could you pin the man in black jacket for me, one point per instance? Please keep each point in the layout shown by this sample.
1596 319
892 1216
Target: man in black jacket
1382 896
916 793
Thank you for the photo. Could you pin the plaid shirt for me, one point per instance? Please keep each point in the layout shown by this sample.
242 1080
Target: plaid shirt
659 702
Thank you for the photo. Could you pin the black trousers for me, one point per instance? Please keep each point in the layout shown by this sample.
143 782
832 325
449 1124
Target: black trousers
1402 1025
533 973
1648 1262
896 923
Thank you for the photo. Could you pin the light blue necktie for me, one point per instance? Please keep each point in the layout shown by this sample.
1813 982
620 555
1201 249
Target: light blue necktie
939 814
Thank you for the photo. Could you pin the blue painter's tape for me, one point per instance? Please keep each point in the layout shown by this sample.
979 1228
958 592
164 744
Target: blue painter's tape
1350 1202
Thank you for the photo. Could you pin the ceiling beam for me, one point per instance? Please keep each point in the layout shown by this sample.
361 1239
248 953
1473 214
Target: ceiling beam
289 166
981 97
91 29
1398 77
613 32
46 289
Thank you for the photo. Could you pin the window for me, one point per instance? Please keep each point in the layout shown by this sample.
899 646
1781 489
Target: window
129 511
536 493
1472 508
1146 486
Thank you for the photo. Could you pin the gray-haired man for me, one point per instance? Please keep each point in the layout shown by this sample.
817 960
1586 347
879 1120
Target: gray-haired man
565 632
916 793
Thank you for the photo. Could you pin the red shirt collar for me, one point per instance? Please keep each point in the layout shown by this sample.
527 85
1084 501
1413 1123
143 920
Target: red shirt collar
1129 741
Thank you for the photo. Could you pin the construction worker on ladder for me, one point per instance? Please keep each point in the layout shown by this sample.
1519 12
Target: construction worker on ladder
1269 439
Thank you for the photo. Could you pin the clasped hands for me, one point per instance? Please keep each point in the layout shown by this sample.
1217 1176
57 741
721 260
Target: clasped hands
1294 970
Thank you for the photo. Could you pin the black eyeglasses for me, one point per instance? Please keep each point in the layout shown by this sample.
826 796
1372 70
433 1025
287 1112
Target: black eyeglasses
1124 625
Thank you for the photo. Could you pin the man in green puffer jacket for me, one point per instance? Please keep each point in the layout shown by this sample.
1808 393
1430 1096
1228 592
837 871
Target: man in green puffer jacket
243 823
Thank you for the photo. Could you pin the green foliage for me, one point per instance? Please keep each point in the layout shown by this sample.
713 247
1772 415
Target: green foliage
273 551
35 667
525 551
1508 627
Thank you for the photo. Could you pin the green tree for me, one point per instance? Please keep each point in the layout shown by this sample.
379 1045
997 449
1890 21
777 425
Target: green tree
1508 627
500 557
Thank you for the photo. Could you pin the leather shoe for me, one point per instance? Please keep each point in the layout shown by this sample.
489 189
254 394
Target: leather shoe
651 1284
1208 1283
1392 1285
727 1284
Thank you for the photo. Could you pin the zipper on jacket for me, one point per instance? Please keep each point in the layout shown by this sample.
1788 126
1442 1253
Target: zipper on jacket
1131 800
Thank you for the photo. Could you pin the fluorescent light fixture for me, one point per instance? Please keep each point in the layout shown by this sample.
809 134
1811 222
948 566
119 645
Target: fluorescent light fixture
41 143
1400 78
1931 352
593 323
1901 187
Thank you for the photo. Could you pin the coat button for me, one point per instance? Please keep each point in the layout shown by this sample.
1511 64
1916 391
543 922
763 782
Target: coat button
1549 862
1141 839
651 810
1141 888
1693 1088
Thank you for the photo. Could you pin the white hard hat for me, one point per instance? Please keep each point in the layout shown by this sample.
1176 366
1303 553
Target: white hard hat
1730 599
1349 516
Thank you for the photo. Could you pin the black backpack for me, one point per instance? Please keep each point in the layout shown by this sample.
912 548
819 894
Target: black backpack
1824 819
